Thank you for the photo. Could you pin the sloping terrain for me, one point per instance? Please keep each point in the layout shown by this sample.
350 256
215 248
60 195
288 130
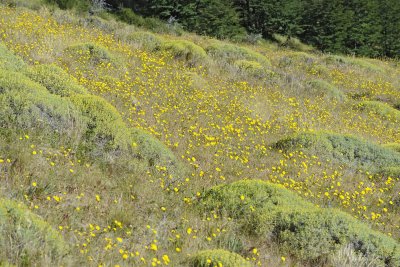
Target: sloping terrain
124 147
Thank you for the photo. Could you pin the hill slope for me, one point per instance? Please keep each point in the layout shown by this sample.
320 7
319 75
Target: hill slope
133 146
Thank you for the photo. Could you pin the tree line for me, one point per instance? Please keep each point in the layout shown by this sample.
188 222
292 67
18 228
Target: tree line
361 27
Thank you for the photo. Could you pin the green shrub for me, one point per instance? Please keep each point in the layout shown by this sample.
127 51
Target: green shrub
55 79
393 146
146 40
153 24
341 148
26 105
299 228
90 53
231 53
106 130
353 62
186 50
27 240
9 61
296 58
251 202
381 109
217 257
153 151
127 15
393 171
250 67
327 89
292 42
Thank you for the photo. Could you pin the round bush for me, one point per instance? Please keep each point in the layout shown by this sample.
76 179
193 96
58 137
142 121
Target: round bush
146 40
90 53
26 105
106 130
381 109
327 89
55 79
298 228
250 67
25 239
9 61
217 257
188 51
231 53
341 148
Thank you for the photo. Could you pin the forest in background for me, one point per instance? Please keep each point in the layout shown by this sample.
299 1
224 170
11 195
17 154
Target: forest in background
356 27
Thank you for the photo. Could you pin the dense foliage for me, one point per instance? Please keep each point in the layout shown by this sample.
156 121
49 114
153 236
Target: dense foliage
362 27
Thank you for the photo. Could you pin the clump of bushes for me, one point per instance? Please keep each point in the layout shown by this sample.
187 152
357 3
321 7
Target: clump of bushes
90 53
341 148
230 53
327 89
154 152
146 40
55 79
300 229
292 42
383 110
250 67
26 239
353 62
27 105
9 61
217 257
106 130
296 57
393 146
186 50
153 24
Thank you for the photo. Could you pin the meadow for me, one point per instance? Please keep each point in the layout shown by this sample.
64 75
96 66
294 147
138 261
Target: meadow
122 147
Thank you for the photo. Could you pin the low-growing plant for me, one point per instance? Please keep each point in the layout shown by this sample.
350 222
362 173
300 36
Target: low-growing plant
106 130
55 79
9 61
326 89
145 40
27 105
186 50
381 109
250 67
26 239
217 257
354 62
393 146
91 53
341 148
308 233
231 53
292 42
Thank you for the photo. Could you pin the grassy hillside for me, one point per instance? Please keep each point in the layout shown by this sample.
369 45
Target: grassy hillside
125 147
